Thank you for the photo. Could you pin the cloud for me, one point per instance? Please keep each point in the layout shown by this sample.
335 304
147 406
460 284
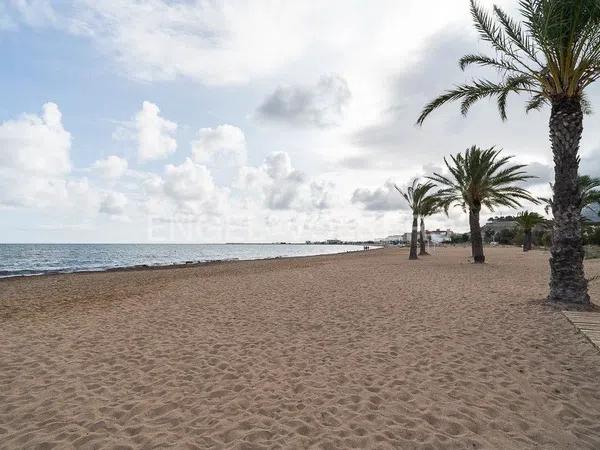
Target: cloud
590 164
321 193
278 166
223 146
188 181
114 204
283 190
18 189
154 133
543 172
216 43
385 198
281 187
35 13
36 170
280 50
395 139
36 144
185 192
321 105
112 167
34 159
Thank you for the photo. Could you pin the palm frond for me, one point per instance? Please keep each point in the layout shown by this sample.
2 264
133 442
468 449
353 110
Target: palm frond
553 53
477 90
536 102
514 31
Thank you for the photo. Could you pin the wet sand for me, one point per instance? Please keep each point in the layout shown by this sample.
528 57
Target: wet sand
361 350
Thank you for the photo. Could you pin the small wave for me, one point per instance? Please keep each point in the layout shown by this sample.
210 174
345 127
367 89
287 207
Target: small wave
20 273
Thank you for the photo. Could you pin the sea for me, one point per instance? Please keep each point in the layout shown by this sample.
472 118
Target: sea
39 259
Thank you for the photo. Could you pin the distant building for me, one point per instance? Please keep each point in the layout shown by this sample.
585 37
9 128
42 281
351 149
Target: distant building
439 236
434 236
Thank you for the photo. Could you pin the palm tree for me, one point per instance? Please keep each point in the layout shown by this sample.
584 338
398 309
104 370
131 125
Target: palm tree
552 57
416 195
430 205
481 178
527 221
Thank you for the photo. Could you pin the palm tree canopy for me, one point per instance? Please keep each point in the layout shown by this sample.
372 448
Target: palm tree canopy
589 193
554 53
482 178
527 220
431 205
419 197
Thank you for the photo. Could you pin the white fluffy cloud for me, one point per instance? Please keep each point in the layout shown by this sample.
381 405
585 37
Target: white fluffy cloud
223 146
154 133
278 166
188 181
36 144
111 167
281 187
36 169
185 192
34 159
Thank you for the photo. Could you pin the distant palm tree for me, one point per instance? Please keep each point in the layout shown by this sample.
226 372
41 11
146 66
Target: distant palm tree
416 195
430 205
481 178
589 194
552 57
527 221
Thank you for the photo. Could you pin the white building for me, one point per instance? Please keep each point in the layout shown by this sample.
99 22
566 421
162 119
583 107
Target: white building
439 236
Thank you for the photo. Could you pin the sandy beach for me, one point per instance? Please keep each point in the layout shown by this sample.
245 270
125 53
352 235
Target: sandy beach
361 350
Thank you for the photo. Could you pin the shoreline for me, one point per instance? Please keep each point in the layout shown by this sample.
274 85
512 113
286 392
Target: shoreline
176 265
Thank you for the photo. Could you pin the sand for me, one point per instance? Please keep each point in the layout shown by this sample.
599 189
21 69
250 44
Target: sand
364 350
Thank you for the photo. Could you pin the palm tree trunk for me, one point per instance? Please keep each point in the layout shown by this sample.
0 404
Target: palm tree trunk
527 240
476 240
413 239
422 250
567 279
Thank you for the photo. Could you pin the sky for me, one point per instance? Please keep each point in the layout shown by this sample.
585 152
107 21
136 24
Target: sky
237 121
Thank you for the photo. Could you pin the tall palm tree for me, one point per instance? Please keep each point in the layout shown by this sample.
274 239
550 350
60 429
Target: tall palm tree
416 195
552 57
527 221
481 178
431 205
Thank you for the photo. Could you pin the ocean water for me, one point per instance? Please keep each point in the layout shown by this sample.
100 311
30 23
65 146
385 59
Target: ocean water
37 259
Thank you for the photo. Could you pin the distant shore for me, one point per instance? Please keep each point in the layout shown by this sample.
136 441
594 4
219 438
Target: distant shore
361 350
